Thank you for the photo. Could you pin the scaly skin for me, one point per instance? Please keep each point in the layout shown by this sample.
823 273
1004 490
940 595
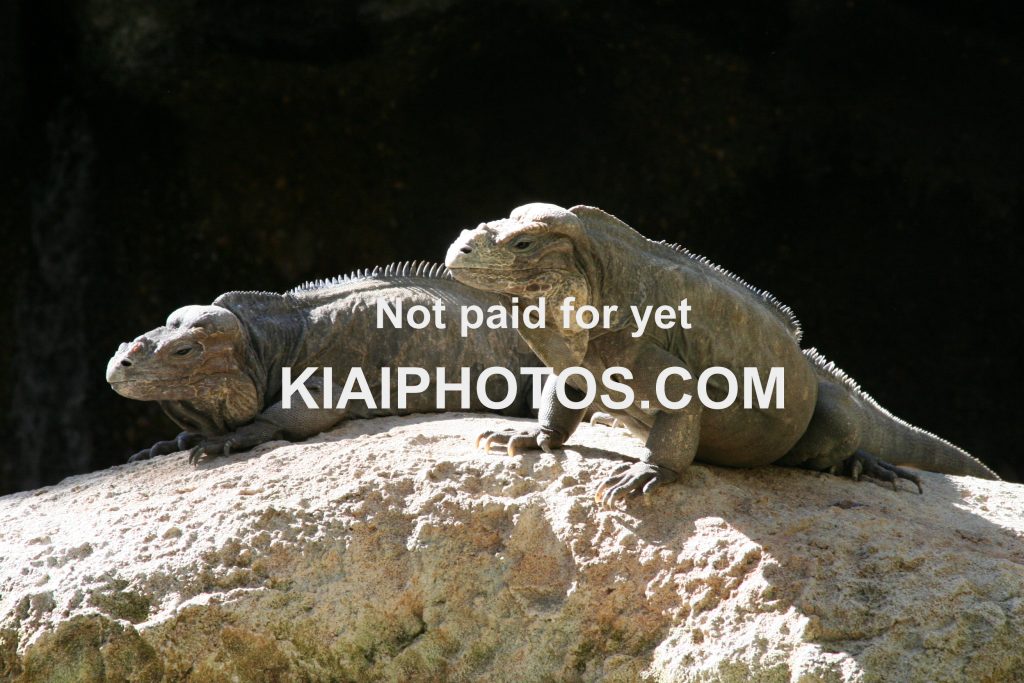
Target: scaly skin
827 422
216 370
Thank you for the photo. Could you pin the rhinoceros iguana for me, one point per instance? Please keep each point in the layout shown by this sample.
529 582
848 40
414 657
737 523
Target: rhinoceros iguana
826 422
216 369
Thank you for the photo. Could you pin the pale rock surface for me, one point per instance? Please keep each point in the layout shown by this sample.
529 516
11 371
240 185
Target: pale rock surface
392 550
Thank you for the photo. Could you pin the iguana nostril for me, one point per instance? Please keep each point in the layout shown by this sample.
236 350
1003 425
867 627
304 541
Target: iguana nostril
466 250
126 363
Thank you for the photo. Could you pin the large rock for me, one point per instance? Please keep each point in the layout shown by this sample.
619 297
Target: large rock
392 550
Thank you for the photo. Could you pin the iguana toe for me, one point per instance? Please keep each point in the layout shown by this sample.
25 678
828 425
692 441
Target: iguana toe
180 443
526 441
631 480
216 447
606 420
863 464
144 454
512 440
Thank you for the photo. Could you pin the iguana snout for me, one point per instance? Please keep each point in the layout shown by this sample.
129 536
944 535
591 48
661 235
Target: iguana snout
529 254
122 366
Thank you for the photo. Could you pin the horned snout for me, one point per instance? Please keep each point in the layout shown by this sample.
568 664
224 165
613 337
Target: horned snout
117 366
462 252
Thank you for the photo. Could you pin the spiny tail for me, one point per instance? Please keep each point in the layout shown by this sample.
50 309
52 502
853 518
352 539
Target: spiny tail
898 442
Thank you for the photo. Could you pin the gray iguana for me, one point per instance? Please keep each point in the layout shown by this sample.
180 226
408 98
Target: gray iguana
216 370
827 422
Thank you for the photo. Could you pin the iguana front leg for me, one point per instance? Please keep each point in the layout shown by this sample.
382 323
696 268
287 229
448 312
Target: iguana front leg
182 442
672 442
556 423
670 448
296 423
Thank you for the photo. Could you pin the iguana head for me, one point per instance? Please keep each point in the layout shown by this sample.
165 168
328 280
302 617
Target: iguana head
532 253
199 355
538 251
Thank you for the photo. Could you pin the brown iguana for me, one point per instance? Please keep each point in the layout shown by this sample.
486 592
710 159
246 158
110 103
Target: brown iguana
216 370
827 422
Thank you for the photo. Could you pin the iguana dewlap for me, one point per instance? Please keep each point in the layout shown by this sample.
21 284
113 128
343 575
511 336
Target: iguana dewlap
827 422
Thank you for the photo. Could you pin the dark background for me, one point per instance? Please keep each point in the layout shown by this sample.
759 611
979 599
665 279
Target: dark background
861 160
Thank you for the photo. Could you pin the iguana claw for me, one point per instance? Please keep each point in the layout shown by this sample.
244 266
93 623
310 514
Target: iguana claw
514 441
862 464
182 442
632 479
214 447
606 419
511 439
144 454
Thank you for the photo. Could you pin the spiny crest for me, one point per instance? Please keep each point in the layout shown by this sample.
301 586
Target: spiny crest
836 372
420 269
616 228
785 311
841 377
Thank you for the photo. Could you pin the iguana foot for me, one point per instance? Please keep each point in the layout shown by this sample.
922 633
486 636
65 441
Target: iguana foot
516 440
182 442
607 420
217 446
242 439
861 463
632 479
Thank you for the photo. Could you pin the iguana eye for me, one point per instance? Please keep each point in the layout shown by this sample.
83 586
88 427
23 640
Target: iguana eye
522 243
184 351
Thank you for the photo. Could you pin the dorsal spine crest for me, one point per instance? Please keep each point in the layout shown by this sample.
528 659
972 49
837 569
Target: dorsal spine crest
784 311
418 269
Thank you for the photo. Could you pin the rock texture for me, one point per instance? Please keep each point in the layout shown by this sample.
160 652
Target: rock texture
391 550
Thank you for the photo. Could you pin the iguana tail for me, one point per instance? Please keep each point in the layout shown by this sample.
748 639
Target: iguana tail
886 436
897 442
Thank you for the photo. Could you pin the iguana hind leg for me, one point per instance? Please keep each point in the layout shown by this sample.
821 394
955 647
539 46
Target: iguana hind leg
861 463
832 441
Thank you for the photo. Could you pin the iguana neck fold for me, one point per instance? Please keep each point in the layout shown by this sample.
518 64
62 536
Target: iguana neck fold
275 331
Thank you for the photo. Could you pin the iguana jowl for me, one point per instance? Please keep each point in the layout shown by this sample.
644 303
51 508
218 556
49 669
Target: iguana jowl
216 370
827 422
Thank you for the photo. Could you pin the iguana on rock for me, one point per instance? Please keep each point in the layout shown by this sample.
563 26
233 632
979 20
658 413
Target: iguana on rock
827 422
216 370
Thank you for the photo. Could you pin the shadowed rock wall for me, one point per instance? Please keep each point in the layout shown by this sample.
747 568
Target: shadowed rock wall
863 161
